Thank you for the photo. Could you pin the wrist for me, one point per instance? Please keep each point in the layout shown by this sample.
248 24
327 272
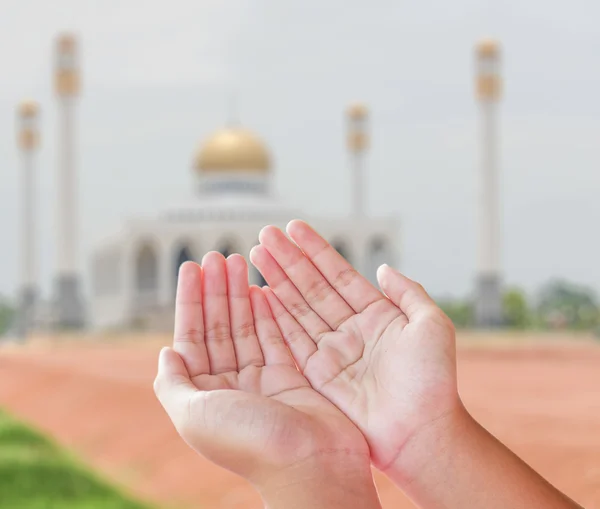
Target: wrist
456 463
332 482
431 446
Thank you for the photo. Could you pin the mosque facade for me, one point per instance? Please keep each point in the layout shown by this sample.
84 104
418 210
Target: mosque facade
134 273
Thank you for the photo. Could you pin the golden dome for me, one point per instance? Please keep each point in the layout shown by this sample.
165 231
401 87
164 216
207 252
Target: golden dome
357 111
233 149
28 109
488 48
66 43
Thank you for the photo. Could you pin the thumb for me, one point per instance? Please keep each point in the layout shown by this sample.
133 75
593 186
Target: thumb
408 295
173 386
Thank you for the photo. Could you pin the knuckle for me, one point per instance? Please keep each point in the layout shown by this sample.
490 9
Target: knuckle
345 277
277 316
272 339
191 335
244 331
218 333
299 309
293 336
318 290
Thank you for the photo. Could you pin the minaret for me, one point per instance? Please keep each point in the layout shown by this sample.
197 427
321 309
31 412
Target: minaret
488 303
69 304
28 139
358 142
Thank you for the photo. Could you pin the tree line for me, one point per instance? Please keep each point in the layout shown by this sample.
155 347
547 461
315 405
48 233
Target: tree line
559 305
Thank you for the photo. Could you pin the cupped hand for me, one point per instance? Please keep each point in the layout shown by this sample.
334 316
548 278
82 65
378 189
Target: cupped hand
387 360
231 387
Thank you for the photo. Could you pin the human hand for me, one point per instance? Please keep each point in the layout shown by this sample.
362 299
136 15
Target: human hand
233 392
387 360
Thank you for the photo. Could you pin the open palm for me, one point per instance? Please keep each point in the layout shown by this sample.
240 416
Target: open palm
231 386
387 360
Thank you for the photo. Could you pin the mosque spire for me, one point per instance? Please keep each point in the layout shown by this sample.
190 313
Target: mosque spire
488 301
69 300
358 142
28 140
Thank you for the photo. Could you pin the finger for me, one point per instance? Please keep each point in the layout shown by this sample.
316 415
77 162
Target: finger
408 295
288 294
217 332
173 386
241 321
354 288
188 338
297 340
315 289
269 335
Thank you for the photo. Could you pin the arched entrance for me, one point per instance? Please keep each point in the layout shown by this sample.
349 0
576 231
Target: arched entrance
341 246
146 283
378 253
146 270
228 247
183 253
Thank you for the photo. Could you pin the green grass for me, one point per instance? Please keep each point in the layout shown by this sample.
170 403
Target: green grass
36 474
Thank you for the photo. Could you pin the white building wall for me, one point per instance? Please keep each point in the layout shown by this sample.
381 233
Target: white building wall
122 308
109 291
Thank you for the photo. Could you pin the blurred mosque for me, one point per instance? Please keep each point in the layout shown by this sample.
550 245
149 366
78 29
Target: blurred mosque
134 272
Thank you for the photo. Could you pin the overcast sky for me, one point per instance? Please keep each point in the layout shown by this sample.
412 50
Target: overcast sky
157 76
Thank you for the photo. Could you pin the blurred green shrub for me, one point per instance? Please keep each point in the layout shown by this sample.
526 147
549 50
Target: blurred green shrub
36 474
516 309
459 311
7 314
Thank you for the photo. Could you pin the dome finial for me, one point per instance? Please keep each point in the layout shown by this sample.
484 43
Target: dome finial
233 118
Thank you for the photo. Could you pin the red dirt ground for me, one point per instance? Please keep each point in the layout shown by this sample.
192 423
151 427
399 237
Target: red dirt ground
542 400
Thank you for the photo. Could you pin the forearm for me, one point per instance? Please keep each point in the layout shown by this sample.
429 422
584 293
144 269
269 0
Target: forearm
338 486
456 463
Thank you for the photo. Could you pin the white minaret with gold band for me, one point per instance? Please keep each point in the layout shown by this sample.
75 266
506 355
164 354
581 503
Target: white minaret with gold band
488 298
28 140
358 143
69 303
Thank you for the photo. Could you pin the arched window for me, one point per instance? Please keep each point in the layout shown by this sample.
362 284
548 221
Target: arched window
342 247
257 278
228 247
146 269
146 279
183 254
378 253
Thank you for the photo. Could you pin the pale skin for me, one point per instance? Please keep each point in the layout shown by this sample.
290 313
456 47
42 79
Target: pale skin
347 370
232 389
